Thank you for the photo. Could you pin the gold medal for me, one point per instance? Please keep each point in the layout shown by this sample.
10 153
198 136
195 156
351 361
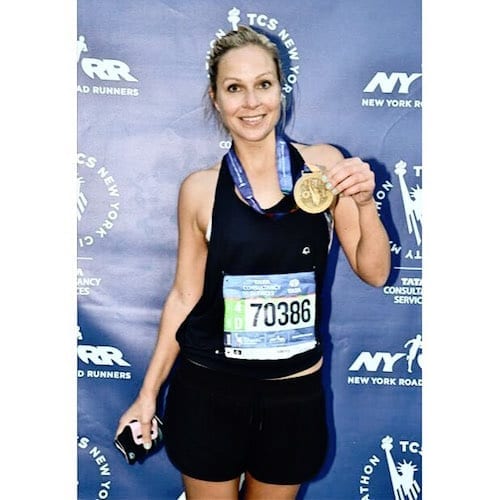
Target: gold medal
311 194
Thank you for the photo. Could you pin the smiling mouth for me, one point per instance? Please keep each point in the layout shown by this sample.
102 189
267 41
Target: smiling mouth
252 119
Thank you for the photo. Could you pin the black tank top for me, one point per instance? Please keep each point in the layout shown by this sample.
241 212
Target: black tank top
246 243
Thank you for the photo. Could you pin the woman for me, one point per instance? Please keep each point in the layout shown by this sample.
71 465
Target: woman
244 309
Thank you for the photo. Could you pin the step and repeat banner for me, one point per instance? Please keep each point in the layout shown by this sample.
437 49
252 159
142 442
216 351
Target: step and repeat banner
354 78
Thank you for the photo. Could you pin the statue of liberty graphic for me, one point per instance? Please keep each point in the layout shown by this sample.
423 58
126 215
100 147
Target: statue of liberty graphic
233 16
404 485
412 202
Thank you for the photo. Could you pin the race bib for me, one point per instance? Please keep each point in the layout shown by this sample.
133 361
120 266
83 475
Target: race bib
269 316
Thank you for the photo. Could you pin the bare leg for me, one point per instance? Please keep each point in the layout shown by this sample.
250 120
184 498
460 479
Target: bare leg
256 490
196 489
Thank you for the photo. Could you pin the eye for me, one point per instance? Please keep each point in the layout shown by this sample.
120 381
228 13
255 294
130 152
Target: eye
233 88
266 84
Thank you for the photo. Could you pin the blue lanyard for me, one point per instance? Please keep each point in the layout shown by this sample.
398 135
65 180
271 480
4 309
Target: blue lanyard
240 178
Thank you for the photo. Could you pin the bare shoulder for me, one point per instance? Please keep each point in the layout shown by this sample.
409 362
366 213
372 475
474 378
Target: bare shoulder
201 182
319 154
197 194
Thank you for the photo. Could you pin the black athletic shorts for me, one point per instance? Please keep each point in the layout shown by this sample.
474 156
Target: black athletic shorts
219 425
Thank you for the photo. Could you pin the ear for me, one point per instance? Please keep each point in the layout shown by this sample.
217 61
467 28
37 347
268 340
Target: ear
211 93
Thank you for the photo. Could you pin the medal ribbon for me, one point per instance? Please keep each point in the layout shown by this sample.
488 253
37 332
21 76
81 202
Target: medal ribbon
240 178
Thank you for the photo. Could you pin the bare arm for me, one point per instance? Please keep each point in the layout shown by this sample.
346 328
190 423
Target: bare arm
185 292
363 239
357 223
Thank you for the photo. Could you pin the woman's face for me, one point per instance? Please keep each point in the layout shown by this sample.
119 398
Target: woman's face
248 94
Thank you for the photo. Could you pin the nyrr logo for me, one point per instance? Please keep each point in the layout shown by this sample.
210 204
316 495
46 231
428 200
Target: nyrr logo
397 84
411 198
97 202
101 356
90 457
402 463
273 28
384 363
107 70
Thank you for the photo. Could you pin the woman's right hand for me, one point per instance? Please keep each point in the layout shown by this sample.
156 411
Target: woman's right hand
142 410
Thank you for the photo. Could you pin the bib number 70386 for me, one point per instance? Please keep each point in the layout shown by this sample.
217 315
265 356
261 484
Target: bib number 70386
260 315
282 313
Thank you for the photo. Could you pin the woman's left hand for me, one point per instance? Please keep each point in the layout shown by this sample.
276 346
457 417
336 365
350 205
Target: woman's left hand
351 177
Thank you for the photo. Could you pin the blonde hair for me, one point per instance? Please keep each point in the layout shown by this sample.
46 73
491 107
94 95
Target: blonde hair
241 37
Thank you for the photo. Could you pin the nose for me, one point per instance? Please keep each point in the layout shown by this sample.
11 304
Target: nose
251 99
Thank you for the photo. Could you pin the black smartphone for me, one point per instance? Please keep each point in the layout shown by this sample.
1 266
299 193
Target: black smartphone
130 441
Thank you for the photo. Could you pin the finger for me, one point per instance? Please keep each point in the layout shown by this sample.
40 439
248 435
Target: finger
349 176
354 174
341 172
358 189
146 435
354 183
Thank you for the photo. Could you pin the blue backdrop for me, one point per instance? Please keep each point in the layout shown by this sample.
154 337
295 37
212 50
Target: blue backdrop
353 68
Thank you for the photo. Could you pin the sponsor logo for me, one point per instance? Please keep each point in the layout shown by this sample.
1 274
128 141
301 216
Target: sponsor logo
396 84
401 369
91 458
103 70
392 472
96 216
101 361
408 291
86 282
276 31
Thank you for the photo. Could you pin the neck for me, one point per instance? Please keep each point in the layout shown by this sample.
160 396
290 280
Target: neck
264 176
255 156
